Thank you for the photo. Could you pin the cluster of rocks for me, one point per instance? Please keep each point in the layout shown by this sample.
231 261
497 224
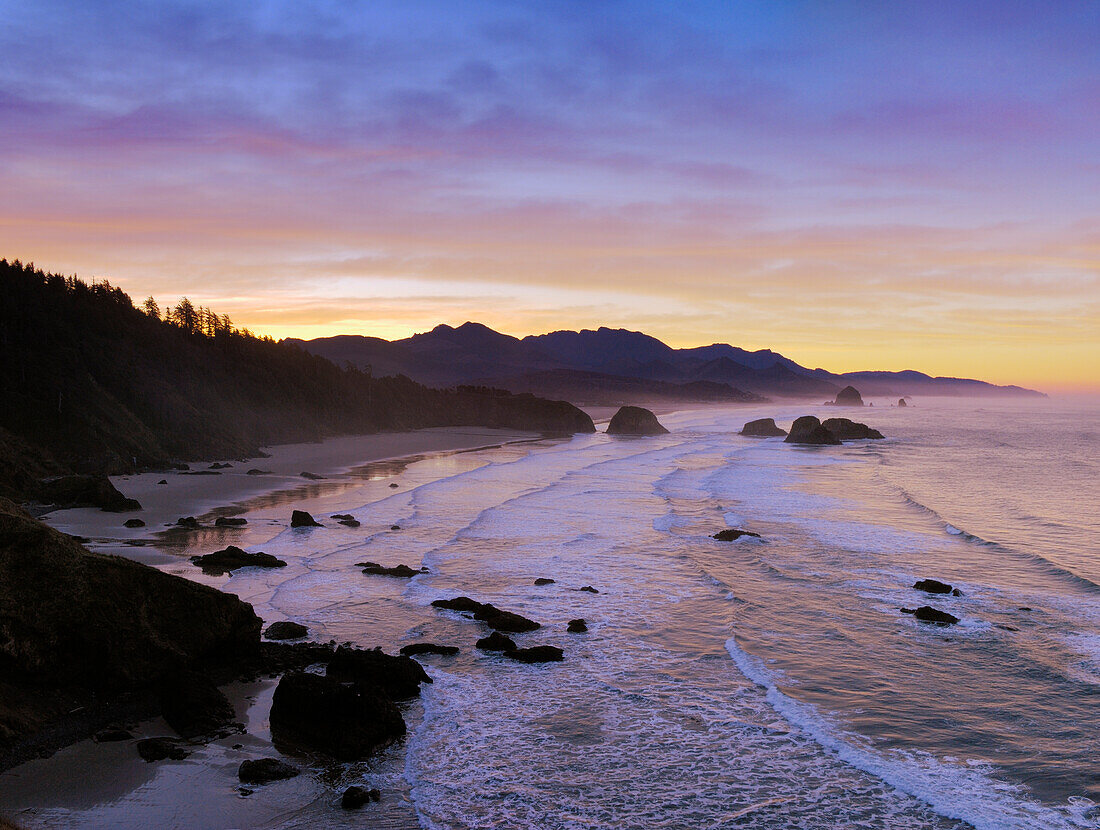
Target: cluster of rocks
402 571
810 430
928 614
232 558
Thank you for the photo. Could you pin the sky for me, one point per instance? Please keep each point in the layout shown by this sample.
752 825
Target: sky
857 185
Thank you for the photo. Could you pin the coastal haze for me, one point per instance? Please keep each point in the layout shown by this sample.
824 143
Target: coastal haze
550 415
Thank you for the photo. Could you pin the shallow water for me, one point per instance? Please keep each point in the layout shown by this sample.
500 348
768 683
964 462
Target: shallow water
760 683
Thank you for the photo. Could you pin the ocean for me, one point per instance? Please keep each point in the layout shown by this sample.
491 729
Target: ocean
763 683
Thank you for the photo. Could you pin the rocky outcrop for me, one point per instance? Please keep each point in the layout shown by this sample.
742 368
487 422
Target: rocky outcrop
132 523
808 430
231 558
401 571
346 720
848 396
101 628
536 654
847 430
577 626
398 677
901 402
489 614
732 534
83 491
762 428
934 586
285 630
635 420
265 770
496 642
413 649
300 518
928 614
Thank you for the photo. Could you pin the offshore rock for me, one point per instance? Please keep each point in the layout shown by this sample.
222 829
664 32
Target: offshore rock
847 430
808 430
928 614
762 428
848 396
731 534
300 518
635 420
536 654
496 642
231 558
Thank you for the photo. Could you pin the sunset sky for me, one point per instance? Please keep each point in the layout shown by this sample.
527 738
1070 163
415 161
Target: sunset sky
857 185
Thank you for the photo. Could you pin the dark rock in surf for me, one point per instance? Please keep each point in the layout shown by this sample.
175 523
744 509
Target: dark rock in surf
848 396
932 586
588 589
928 614
231 558
356 797
577 626
343 517
343 719
536 654
258 472
762 428
311 476
189 522
901 402
542 580
285 630
732 534
413 649
300 518
398 677
489 614
83 491
808 430
401 571
394 485
635 420
133 523
847 430
157 749
265 770
395 527
348 522
496 642
228 521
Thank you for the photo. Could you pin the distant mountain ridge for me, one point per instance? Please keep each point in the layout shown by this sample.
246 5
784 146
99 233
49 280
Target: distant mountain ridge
617 366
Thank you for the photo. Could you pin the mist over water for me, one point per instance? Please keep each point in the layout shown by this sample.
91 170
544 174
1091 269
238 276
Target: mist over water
765 683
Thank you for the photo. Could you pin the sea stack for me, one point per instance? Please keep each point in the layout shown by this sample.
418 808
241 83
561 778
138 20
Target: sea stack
848 430
634 420
901 402
808 430
762 428
848 396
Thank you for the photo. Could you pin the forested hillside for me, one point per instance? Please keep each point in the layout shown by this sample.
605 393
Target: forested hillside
90 383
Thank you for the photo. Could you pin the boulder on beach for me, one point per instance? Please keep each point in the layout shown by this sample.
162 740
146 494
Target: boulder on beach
355 797
345 720
577 626
285 630
732 534
194 706
255 471
300 518
489 614
848 396
926 613
374 569
230 521
394 485
348 522
189 522
536 654
84 491
398 677
848 430
132 523
808 430
158 749
100 628
265 770
231 558
496 642
311 476
635 420
762 428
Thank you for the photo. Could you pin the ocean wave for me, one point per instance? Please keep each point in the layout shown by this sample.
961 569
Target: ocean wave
967 793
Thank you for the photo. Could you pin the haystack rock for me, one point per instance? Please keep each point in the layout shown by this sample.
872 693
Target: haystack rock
762 428
847 430
634 420
808 430
848 396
